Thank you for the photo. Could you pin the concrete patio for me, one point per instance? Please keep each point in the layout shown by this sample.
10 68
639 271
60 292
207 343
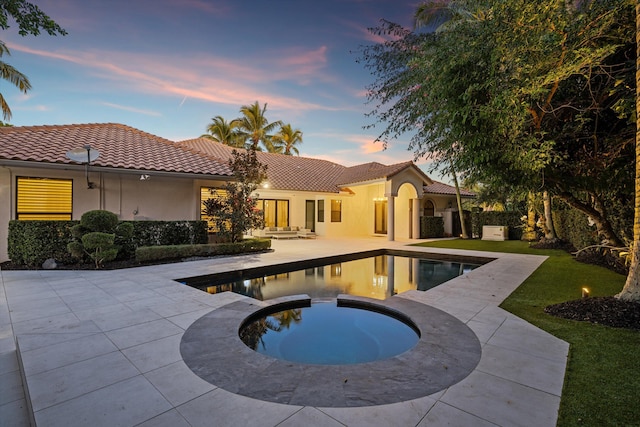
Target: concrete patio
102 348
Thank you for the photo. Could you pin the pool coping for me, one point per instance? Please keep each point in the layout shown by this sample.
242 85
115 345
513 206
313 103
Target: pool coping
446 352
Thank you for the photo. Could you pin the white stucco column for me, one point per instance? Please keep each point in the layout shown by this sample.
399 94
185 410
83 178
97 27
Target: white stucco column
415 220
391 222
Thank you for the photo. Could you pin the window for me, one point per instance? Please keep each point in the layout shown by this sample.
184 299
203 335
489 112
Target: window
276 212
44 199
429 208
380 217
210 193
336 210
320 210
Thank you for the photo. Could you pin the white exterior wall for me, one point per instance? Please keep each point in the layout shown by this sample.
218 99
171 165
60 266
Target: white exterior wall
159 198
444 207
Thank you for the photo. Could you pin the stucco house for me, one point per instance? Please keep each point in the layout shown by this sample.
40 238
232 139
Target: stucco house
137 175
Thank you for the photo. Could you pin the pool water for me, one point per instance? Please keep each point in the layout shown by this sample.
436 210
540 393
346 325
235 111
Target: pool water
325 334
378 277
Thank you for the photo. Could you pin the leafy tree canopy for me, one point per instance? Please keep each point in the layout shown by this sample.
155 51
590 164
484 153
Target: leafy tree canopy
252 129
527 95
29 17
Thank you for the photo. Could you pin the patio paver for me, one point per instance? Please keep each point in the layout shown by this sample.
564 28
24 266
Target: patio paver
102 348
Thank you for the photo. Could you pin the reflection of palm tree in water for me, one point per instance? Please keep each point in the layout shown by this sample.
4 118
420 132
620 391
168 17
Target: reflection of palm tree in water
252 333
254 290
287 317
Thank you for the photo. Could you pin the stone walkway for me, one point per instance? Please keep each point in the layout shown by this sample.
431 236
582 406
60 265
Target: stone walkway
102 348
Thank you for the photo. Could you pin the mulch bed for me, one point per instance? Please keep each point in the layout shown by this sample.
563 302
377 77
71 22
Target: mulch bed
608 311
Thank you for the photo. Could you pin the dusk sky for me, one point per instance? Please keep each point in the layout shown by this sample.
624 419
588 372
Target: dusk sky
168 66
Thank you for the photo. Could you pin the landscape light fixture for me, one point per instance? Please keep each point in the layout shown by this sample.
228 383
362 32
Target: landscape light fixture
84 155
585 292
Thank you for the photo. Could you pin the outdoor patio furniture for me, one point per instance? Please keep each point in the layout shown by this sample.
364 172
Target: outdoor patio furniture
305 233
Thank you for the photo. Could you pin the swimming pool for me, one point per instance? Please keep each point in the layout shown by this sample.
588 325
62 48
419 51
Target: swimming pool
327 333
372 274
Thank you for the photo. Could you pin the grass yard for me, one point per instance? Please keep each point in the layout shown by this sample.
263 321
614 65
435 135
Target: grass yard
602 382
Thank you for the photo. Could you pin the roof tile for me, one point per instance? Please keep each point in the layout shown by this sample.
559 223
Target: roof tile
120 147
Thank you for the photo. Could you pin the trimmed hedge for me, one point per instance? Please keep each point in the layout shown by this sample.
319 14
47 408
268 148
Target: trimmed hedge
573 226
158 253
32 242
160 233
431 226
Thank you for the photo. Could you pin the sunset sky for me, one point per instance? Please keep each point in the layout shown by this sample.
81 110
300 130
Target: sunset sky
168 66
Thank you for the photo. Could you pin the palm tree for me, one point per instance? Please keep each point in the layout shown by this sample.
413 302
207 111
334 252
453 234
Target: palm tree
14 77
631 289
224 132
253 126
286 139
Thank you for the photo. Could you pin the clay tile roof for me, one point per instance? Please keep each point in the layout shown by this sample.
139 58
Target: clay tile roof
120 147
371 171
445 189
283 172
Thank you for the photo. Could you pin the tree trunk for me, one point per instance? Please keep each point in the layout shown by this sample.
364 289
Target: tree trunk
529 233
463 227
631 289
603 226
549 230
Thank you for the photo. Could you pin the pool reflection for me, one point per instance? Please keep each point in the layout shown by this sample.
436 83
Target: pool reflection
376 277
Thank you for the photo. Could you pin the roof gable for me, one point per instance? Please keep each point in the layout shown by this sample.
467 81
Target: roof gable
374 171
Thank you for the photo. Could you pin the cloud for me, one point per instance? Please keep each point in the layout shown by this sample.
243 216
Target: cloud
359 148
209 79
38 108
131 109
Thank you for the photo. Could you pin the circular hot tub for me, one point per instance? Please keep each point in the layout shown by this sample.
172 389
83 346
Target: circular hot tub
326 333
445 353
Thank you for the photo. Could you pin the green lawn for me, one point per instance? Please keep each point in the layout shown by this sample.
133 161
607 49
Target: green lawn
602 383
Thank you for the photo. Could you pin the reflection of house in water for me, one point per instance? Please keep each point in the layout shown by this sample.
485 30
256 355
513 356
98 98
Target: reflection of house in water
378 277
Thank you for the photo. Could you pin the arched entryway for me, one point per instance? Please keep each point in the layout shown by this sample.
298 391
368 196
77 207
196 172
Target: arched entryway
403 195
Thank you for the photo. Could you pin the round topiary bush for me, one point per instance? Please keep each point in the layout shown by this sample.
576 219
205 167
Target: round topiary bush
98 220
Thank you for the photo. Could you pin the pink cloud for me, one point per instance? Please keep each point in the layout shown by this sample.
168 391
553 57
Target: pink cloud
214 79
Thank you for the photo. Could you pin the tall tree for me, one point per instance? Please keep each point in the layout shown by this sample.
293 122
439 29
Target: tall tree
224 132
13 76
516 93
30 20
254 127
631 289
286 139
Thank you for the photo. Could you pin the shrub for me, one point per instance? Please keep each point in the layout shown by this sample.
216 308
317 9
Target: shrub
100 247
95 236
32 242
573 226
157 253
431 226
99 220
154 233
